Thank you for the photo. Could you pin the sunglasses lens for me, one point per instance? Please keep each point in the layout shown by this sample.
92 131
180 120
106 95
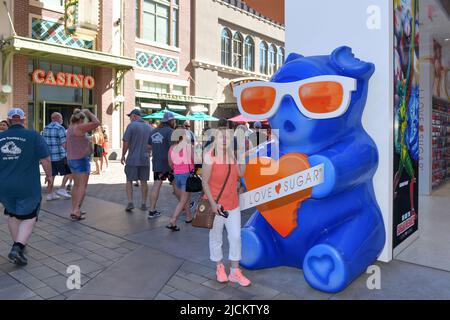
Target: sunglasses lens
258 100
321 97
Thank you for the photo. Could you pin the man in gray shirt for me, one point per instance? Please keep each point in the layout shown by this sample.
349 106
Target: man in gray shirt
161 140
137 164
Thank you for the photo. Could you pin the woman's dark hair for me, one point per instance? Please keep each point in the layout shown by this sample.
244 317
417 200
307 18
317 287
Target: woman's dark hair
77 116
5 122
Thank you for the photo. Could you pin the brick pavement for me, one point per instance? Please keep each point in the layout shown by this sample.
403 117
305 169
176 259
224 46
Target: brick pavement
143 260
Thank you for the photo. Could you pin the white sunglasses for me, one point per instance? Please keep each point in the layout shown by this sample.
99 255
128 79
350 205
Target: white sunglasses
321 97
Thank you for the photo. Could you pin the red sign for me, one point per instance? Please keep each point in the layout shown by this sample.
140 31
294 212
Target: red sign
63 79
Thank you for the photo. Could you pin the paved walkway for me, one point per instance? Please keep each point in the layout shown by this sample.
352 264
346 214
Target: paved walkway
127 256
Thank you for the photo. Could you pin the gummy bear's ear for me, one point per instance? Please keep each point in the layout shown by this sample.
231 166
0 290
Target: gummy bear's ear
344 60
293 56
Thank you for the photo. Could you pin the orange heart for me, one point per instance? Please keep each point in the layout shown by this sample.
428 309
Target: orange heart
278 188
281 214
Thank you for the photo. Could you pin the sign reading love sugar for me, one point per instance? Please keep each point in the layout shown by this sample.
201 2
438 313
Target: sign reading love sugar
283 187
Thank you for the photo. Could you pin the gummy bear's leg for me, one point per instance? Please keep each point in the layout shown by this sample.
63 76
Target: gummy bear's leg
258 246
345 252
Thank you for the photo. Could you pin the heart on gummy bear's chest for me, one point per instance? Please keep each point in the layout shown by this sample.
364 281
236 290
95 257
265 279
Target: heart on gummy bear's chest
281 214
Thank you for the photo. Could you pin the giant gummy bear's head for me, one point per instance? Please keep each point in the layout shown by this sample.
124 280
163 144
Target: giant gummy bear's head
297 132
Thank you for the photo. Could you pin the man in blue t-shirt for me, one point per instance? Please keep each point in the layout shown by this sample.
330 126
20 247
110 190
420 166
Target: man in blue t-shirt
21 151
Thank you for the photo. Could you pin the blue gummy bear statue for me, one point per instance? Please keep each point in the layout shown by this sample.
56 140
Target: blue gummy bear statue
340 230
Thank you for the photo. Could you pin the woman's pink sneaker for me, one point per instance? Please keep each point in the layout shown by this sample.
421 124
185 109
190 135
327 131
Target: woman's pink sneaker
221 273
237 276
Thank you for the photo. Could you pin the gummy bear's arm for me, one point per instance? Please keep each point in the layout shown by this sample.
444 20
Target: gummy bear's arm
346 164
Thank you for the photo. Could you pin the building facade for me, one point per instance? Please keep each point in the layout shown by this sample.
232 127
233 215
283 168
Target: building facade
163 57
113 56
232 43
61 55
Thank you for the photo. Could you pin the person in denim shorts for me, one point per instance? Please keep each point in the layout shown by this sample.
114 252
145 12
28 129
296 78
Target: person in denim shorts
79 150
181 159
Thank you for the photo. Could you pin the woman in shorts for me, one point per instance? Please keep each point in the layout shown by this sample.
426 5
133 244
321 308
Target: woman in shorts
182 162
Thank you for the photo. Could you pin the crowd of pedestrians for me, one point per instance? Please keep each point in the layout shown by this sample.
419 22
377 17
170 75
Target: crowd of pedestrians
173 154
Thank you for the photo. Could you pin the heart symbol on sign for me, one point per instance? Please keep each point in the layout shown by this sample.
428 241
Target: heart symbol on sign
281 214
278 188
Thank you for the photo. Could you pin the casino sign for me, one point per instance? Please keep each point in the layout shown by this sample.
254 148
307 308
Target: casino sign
63 79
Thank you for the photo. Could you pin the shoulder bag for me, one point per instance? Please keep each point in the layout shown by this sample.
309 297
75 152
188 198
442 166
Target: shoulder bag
204 215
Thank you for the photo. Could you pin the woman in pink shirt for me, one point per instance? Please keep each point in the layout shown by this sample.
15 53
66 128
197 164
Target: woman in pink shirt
181 159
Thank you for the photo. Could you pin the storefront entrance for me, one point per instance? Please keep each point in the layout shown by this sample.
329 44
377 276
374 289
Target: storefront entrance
65 110
431 249
57 87
47 108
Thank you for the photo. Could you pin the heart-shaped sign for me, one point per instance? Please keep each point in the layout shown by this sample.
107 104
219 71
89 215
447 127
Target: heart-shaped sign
281 214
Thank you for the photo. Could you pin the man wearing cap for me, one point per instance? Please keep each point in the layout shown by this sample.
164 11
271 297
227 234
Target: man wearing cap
160 140
21 151
137 164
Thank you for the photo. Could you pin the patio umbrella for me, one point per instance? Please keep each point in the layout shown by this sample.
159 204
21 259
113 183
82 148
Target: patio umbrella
160 114
201 116
241 118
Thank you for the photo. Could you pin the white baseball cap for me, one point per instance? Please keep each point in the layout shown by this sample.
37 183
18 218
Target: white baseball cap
16 112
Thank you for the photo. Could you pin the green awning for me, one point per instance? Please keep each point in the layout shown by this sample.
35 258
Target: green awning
160 114
66 54
201 116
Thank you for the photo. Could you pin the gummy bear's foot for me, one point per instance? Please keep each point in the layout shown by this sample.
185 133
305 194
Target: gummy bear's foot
324 269
252 249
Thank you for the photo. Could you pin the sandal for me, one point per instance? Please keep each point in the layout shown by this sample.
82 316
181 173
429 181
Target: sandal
189 221
173 227
74 217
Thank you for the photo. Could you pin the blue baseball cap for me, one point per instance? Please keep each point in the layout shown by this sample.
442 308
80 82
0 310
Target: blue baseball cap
167 117
136 112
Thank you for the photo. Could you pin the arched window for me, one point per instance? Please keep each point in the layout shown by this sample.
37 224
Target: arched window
249 54
237 50
272 59
280 57
226 47
263 58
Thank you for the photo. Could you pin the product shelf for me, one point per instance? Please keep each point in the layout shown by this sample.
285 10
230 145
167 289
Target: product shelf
440 141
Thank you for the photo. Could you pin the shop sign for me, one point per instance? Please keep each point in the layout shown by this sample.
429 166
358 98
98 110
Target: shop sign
174 97
63 79
238 82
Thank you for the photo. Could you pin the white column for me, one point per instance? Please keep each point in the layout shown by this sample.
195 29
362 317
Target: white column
317 28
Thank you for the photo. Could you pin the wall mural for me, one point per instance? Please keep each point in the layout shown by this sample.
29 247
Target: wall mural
406 119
